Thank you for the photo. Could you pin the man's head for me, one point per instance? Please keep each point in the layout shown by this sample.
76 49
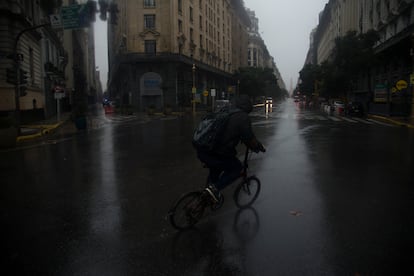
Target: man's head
243 102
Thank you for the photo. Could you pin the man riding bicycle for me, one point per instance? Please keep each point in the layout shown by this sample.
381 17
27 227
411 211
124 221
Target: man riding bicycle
222 161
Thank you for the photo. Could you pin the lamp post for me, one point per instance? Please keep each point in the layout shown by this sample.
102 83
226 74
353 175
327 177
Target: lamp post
193 90
17 70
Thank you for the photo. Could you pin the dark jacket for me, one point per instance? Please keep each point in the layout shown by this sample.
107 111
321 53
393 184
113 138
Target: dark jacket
238 129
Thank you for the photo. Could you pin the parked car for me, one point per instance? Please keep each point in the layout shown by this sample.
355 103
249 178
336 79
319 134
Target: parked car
220 104
269 100
339 107
355 109
329 109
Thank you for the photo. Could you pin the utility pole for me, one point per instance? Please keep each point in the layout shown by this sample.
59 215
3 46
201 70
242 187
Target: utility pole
193 90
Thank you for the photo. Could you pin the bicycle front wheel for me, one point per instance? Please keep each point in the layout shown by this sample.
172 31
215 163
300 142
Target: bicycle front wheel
247 192
187 211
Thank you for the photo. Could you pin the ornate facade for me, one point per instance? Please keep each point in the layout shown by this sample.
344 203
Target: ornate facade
160 50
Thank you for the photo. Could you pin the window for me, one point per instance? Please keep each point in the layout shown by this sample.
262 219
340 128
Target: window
191 14
150 47
47 50
31 65
201 41
180 26
149 3
180 6
149 21
191 35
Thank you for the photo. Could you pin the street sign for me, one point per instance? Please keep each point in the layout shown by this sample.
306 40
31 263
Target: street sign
401 84
74 17
380 94
213 92
58 89
56 21
59 95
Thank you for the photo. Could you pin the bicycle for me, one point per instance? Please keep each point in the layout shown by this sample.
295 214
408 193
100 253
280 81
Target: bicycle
190 207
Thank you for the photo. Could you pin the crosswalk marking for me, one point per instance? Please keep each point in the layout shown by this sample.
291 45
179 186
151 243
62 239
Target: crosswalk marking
321 118
348 120
334 119
273 118
363 121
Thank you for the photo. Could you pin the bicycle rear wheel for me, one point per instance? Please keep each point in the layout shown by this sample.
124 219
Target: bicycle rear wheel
247 192
187 211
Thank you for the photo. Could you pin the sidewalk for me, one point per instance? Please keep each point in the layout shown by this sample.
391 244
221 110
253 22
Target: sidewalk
42 128
65 126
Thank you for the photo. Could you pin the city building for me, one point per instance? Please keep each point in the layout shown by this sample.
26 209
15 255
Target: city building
175 53
40 57
57 62
80 75
387 88
257 53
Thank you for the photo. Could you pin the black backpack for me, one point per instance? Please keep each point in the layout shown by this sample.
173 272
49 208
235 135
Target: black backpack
210 129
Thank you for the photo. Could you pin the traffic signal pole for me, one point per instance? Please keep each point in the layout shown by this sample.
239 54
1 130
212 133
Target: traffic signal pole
17 70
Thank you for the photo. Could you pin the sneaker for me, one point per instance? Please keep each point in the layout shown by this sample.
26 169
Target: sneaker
214 193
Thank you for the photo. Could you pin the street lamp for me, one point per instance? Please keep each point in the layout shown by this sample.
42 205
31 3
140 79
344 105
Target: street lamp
17 64
194 89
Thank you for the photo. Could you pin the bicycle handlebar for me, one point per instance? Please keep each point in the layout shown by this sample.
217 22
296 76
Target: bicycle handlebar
246 155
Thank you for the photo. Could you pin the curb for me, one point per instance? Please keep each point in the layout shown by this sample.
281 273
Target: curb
43 130
389 120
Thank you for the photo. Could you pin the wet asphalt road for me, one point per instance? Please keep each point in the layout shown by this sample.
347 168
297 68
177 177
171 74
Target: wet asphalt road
337 199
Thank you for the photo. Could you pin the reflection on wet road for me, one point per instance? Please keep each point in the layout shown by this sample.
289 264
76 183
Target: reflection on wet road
336 199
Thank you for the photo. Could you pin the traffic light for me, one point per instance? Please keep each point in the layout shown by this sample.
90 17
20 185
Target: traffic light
113 14
23 76
91 10
11 76
15 57
103 8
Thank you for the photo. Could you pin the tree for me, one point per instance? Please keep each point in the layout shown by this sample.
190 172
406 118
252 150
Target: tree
309 76
353 55
257 82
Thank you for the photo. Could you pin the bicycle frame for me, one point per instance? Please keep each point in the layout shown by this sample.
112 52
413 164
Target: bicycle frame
189 208
245 162
245 165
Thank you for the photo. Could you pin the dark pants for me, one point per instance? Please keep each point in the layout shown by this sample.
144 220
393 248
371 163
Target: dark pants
223 170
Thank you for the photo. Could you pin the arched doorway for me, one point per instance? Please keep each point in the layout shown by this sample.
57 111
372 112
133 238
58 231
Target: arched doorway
151 91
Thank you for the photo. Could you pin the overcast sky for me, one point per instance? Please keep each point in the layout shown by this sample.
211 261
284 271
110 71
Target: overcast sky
285 26
101 50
